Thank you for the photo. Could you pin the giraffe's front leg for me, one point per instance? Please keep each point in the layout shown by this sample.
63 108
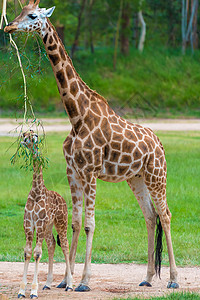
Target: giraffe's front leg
51 244
27 257
89 197
29 233
37 257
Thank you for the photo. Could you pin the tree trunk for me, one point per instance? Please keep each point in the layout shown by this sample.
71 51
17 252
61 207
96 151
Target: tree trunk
184 25
88 26
135 30
143 31
188 22
61 32
171 17
194 26
117 35
91 27
125 28
78 29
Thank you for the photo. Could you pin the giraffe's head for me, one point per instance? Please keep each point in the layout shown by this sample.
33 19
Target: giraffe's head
32 18
30 141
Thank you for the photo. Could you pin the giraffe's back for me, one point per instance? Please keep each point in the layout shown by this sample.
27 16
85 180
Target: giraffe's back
130 150
111 147
44 208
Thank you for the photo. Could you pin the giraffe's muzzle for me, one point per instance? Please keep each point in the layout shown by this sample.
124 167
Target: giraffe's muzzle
10 28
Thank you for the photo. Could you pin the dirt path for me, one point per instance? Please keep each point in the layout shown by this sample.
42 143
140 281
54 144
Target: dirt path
62 125
108 281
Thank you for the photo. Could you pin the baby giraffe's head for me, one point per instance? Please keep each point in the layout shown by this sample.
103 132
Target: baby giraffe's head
30 141
32 18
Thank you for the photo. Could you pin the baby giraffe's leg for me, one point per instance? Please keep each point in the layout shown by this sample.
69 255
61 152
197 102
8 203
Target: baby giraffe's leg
27 257
37 257
65 249
51 244
62 232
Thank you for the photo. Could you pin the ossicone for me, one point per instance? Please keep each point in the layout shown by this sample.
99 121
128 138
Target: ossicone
33 2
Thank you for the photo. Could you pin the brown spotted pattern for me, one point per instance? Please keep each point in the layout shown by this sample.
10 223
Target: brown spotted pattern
103 145
43 209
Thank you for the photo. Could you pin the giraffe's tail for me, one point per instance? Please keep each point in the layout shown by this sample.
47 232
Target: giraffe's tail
158 247
58 240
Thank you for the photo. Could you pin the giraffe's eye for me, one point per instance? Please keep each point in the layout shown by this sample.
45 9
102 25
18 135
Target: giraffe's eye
32 16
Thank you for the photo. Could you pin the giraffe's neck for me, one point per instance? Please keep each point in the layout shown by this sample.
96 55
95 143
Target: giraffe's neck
75 94
68 81
38 181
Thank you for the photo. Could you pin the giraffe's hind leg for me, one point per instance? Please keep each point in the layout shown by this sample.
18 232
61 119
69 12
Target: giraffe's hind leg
76 188
65 249
61 222
142 195
51 244
157 189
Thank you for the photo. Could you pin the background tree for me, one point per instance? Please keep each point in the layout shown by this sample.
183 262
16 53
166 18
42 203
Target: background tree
76 38
164 21
143 27
117 35
111 32
189 24
125 27
89 25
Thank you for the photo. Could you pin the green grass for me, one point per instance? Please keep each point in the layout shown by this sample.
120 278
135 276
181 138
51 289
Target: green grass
172 296
159 82
120 234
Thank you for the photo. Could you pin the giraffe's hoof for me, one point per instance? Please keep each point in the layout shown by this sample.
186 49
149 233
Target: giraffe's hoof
145 283
46 287
68 289
172 285
33 296
20 296
82 288
62 285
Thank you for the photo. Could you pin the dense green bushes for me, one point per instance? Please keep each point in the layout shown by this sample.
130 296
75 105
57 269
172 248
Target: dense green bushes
158 82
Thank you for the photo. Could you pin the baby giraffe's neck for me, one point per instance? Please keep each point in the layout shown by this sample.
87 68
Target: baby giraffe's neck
38 182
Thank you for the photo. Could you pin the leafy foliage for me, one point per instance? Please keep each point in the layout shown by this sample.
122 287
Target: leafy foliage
27 158
160 76
158 83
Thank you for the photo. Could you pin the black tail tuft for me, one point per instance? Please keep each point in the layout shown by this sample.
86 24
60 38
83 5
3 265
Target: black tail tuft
58 240
158 246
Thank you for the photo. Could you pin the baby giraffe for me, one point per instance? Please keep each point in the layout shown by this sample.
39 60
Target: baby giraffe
43 209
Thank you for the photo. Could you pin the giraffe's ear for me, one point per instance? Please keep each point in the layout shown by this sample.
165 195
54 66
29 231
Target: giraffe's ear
48 12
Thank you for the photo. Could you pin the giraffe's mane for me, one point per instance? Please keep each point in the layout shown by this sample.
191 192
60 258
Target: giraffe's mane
93 92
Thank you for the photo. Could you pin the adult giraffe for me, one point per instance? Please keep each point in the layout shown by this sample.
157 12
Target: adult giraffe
102 145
